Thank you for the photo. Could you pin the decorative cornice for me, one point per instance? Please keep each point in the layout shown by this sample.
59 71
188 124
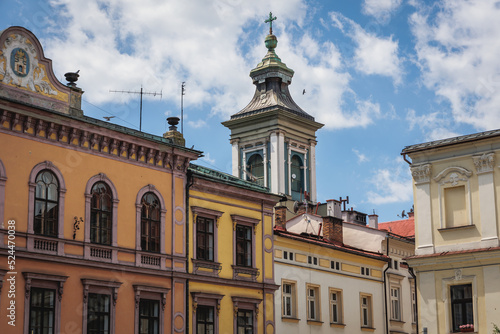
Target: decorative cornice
484 163
95 142
421 173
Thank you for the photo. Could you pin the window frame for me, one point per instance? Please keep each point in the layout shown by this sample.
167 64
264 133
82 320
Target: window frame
252 223
31 207
43 281
245 304
339 302
293 298
147 226
463 302
316 300
395 303
214 265
369 308
45 201
163 212
92 286
101 177
208 300
146 292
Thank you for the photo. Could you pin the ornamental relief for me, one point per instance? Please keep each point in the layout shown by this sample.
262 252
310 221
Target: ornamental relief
421 173
484 163
19 66
453 176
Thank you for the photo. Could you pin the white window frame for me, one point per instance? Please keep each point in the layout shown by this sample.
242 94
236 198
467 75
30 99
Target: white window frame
313 301
338 302
291 297
366 321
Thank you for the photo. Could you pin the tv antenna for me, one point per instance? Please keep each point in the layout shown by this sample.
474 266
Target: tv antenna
183 92
141 92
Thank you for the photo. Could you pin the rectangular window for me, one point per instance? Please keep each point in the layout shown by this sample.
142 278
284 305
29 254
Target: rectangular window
309 259
288 293
315 260
243 246
413 305
285 255
362 270
395 304
204 239
462 312
244 322
205 323
149 316
313 311
42 310
366 311
291 256
335 306
335 265
98 314
396 264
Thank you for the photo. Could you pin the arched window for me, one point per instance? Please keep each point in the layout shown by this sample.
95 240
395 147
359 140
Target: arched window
150 223
46 217
297 174
255 169
101 214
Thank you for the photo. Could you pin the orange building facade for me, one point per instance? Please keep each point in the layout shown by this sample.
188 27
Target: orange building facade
92 214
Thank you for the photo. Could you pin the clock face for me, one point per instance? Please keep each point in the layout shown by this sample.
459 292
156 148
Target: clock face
294 176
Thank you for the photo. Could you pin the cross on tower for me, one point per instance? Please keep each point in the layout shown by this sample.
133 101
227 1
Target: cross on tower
270 21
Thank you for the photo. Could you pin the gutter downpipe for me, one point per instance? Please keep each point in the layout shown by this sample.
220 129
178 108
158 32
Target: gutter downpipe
385 288
189 183
406 159
412 273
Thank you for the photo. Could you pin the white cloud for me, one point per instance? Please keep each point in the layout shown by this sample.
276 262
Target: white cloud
361 157
373 55
206 158
380 9
434 125
392 185
457 49
197 124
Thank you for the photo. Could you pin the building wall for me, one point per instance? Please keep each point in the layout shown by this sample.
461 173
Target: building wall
348 279
229 286
457 238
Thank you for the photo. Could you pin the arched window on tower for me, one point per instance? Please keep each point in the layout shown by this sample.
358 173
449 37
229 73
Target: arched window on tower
255 169
101 212
297 177
46 204
150 223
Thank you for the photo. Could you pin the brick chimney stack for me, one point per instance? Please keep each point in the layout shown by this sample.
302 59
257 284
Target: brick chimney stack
280 217
332 230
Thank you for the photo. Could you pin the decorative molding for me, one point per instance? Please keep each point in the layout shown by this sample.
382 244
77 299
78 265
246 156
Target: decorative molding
421 173
484 163
454 177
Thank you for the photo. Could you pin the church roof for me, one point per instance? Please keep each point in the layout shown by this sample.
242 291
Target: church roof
271 78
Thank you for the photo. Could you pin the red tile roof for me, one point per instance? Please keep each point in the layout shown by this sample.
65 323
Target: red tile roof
403 227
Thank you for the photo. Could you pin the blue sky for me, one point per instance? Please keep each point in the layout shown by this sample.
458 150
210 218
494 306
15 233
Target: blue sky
380 74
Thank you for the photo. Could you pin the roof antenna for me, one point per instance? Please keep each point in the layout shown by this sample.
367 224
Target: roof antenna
141 92
183 92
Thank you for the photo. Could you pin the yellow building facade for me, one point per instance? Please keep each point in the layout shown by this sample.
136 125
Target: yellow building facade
92 215
231 282
457 255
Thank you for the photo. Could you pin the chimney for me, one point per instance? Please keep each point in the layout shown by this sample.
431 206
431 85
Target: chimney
280 217
411 214
332 230
373 221
174 135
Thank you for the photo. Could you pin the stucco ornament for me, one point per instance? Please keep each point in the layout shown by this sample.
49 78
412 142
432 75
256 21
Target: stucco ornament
453 175
458 275
421 173
484 163
19 65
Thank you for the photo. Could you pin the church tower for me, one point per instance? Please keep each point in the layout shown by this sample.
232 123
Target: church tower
273 140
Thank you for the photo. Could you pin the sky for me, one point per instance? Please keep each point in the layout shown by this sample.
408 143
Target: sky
380 74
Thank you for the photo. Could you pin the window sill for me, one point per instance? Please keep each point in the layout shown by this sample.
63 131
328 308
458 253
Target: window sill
399 322
248 273
464 227
367 329
337 325
290 319
212 268
315 322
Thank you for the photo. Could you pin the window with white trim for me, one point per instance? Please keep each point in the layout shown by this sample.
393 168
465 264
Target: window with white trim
366 310
395 303
336 306
313 309
289 299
